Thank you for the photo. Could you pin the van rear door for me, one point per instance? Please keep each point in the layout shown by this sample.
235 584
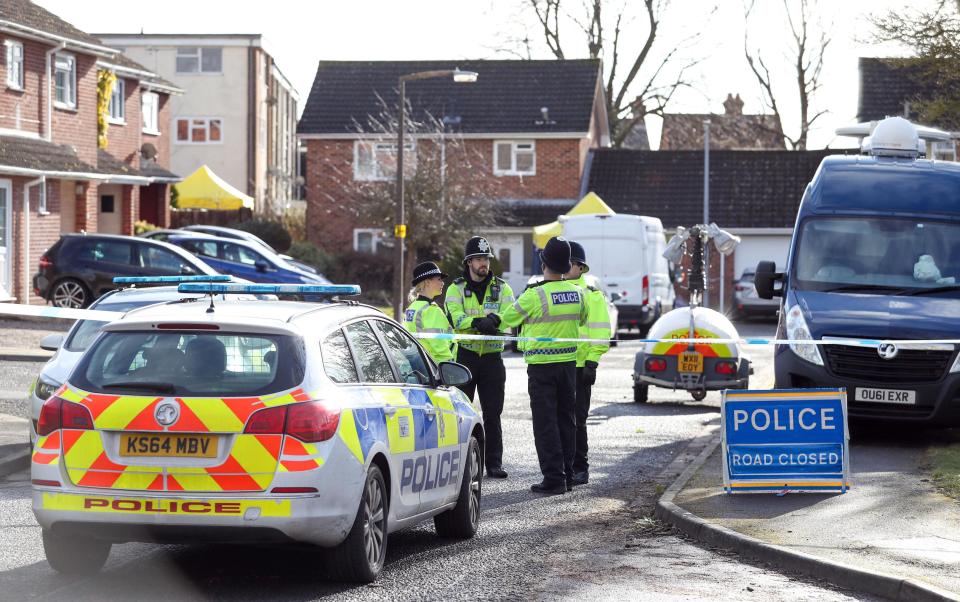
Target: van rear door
624 256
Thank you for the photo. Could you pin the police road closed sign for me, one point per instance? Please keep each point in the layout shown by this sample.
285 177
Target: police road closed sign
785 440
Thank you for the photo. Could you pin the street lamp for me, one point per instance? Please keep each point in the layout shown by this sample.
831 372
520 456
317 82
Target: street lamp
400 228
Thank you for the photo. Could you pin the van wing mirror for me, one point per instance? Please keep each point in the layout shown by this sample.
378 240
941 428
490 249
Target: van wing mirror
764 279
614 297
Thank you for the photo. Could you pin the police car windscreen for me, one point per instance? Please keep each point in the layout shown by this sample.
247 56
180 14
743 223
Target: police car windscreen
191 363
877 253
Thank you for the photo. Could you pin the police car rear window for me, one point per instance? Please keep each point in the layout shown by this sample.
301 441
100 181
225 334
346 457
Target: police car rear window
195 364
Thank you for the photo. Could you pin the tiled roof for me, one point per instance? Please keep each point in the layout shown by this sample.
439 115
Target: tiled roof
26 13
108 164
33 153
748 189
885 85
532 212
508 96
684 131
149 168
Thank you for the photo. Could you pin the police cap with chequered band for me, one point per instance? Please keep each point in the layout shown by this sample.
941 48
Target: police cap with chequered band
556 255
425 270
579 255
477 247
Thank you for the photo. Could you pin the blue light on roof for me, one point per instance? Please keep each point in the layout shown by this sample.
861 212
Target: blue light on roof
169 279
270 289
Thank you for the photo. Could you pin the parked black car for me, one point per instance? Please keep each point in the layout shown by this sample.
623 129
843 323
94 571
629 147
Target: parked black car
78 268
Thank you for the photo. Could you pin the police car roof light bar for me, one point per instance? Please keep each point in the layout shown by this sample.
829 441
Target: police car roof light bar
170 279
269 289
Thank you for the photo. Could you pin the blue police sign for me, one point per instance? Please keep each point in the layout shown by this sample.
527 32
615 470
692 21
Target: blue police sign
785 440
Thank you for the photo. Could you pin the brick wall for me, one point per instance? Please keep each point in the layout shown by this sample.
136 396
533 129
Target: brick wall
163 141
123 139
26 103
332 190
78 127
44 231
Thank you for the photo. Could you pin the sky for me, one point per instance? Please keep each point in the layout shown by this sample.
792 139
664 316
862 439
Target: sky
299 33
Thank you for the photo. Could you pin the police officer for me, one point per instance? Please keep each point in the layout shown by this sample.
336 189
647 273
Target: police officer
552 308
476 293
424 315
588 354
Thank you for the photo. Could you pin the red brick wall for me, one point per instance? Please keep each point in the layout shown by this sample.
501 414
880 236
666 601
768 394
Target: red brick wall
163 141
44 231
331 188
123 140
78 127
28 100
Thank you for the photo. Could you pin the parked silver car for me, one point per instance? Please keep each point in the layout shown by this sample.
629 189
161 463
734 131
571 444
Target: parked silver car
747 304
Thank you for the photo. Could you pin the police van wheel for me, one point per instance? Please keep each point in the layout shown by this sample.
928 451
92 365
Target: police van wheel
360 556
75 555
698 394
640 393
462 520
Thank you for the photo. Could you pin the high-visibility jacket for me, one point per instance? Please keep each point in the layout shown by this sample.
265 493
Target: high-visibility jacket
425 316
463 306
552 308
597 326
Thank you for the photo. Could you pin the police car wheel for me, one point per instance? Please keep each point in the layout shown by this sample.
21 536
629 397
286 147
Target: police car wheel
640 393
462 520
75 555
360 556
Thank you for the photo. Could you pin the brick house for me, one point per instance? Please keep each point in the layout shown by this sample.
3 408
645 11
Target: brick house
54 176
731 130
528 125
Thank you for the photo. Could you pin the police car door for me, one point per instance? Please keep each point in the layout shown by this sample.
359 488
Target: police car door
436 471
379 386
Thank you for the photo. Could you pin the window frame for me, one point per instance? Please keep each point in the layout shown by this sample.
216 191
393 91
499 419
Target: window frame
514 148
393 365
190 127
353 359
154 120
200 51
8 46
357 364
119 90
377 235
376 174
71 83
144 250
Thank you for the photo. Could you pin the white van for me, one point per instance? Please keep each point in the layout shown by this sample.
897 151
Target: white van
626 253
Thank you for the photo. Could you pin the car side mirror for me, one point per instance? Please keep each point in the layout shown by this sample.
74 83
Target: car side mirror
261 266
454 374
51 342
765 278
614 297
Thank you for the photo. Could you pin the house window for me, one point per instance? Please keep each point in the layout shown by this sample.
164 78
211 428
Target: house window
14 53
150 104
367 240
193 59
504 257
117 96
106 203
378 160
944 150
514 158
65 79
199 130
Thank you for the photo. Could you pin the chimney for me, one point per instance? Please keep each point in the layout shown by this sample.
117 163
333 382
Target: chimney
733 105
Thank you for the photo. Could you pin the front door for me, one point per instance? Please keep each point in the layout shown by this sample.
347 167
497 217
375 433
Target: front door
6 202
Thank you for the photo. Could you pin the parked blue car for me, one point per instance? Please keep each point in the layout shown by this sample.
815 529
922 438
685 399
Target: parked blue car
244 259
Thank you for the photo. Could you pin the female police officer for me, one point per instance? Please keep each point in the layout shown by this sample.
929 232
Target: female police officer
425 316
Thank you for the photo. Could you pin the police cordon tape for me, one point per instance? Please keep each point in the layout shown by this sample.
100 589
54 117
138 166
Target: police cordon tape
16 309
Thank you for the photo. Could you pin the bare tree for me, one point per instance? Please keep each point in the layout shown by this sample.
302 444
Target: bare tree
807 46
635 86
934 70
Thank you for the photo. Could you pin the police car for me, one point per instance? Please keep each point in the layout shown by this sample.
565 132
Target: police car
255 421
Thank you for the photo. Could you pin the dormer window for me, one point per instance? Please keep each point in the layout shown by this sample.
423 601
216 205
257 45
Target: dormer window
514 158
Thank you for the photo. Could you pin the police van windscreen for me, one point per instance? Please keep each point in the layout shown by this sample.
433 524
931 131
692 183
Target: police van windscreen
200 364
877 255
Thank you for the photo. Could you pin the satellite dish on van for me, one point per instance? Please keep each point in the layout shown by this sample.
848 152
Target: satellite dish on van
893 137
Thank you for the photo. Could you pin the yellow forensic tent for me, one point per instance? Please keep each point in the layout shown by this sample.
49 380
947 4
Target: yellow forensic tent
591 203
204 189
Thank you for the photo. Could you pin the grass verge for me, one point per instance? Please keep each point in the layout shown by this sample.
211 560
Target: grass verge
945 469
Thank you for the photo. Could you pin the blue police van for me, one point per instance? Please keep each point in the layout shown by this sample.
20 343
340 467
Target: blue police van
875 255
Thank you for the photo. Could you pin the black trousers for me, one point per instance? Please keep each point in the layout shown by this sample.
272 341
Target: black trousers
580 463
552 389
489 379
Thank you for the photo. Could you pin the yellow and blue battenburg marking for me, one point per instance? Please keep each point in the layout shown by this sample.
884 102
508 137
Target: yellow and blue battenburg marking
171 279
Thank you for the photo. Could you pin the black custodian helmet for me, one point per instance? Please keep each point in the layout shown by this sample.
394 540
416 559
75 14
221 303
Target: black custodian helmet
556 255
578 255
477 247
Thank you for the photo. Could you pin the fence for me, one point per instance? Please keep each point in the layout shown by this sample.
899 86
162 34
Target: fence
208 217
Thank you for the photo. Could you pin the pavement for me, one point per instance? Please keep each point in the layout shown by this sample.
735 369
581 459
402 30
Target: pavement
14 444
